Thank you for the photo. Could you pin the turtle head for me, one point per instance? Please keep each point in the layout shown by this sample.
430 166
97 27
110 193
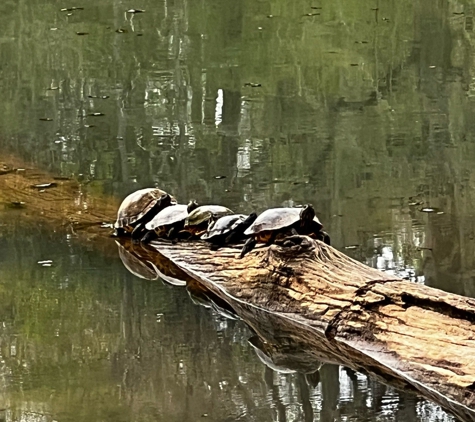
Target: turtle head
192 205
307 214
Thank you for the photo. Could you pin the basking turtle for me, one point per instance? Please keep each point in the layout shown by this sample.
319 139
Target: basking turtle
228 229
139 208
197 222
168 222
277 222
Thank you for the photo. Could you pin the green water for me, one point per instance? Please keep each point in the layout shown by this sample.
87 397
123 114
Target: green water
363 108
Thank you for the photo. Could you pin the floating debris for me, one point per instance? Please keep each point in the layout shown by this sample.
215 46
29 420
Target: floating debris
52 88
107 226
16 204
121 31
351 247
44 185
88 126
102 97
270 16
46 263
220 177
135 11
354 64
139 34
82 33
429 209
53 29
316 7
96 114
252 85
71 9
458 13
46 119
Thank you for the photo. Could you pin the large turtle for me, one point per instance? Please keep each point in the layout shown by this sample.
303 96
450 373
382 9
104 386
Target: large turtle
197 222
228 229
277 222
139 208
168 222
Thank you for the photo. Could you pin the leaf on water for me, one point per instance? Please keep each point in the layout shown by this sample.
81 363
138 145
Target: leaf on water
45 185
71 9
428 209
46 119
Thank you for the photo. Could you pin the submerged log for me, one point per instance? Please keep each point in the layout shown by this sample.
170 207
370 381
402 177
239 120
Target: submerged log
401 332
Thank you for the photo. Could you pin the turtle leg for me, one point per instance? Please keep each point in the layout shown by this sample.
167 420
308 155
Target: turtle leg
120 232
248 246
149 236
171 233
137 232
272 238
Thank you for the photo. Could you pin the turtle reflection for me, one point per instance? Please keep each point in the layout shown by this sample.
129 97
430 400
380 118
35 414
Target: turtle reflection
146 265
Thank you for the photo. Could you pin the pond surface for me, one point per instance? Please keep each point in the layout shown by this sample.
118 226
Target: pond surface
362 108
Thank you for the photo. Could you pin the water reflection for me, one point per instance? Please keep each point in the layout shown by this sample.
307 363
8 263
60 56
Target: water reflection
363 109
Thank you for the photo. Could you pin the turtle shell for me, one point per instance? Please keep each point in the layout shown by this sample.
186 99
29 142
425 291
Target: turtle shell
205 213
135 206
168 216
223 225
276 219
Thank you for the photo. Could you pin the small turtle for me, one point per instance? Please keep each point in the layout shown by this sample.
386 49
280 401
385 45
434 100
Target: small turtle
168 222
139 208
228 229
278 222
199 219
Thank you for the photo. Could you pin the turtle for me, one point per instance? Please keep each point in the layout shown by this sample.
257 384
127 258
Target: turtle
277 222
228 229
139 208
168 222
198 220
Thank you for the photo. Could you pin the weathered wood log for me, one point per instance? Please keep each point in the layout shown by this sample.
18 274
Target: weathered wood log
343 311
325 305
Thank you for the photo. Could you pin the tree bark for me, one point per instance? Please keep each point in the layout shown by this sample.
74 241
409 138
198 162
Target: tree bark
340 310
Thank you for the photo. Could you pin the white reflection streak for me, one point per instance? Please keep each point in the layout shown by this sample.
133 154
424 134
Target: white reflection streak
218 114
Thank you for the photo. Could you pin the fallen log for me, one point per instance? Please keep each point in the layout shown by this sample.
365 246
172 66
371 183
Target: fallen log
314 300
339 310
